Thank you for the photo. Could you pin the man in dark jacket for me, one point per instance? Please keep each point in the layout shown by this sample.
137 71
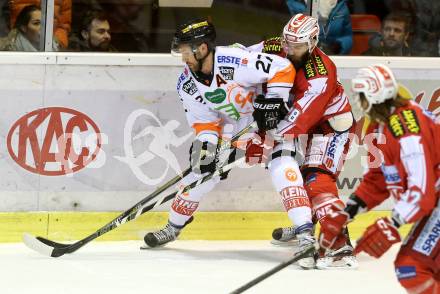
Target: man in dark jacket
394 37
94 34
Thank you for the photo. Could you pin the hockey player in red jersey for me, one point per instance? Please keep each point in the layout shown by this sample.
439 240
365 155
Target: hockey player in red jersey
407 140
322 120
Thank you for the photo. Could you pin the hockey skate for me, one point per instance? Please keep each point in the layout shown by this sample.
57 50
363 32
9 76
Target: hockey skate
342 258
162 237
305 237
284 237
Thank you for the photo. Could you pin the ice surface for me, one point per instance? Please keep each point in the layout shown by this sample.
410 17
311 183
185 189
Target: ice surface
182 267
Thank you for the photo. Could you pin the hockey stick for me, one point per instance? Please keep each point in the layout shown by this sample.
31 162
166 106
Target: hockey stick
54 249
299 255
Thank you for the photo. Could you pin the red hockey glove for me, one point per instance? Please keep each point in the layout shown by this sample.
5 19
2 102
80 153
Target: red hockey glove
378 238
258 148
332 228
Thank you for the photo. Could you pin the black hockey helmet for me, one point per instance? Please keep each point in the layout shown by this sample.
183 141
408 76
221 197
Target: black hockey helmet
194 33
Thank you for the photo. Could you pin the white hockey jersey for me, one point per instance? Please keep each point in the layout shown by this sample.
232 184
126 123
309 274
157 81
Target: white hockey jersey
238 76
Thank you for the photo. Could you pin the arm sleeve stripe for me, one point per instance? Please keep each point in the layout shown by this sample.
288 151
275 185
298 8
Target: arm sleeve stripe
211 126
286 75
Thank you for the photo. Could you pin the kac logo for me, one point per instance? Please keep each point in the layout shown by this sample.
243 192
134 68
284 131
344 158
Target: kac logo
54 141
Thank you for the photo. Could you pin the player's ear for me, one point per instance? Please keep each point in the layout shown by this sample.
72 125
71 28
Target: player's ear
203 48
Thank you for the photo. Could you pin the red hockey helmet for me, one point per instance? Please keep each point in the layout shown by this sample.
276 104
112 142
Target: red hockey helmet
302 29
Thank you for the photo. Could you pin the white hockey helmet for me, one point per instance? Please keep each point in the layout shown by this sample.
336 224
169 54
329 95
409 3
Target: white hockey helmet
302 29
376 82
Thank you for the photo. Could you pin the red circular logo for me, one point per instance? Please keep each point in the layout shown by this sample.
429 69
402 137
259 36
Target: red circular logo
54 141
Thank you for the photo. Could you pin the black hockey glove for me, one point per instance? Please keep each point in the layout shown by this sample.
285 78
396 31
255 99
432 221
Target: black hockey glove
354 206
203 157
268 112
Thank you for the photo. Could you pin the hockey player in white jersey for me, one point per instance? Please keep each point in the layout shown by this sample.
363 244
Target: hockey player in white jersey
219 86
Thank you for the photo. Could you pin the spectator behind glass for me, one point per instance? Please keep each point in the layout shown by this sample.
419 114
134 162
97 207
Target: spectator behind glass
335 34
394 38
94 34
26 34
62 14
427 28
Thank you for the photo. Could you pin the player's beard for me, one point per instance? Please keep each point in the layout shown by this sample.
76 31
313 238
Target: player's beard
197 66
104 45
299 62
194 67
392 44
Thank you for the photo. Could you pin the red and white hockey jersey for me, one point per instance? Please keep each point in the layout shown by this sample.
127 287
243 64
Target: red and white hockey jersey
407 148
237 78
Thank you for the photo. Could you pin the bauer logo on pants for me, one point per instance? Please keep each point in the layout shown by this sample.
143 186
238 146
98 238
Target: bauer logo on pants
54 141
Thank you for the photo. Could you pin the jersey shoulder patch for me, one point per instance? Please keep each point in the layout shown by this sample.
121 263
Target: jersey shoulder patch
184 76
320 66
227 72
395 125
404 122
411 121
309 69
315 67
189 87
273 46
186 84
226 56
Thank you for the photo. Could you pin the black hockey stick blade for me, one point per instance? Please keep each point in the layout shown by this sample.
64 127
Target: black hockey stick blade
52 243
299 255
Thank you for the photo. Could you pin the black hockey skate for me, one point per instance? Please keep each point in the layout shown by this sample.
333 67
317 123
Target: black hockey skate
163 236
286 236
